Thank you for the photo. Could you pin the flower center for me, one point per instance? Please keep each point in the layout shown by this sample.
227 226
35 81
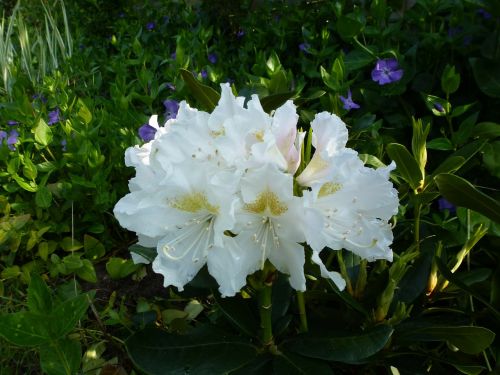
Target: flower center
267 200
328 189
194 202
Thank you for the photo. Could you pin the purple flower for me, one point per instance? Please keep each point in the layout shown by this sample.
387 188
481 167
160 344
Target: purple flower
304 47
439 107
150 26
212 57
171 108
12 123
64 143
240 33
483 13
12 139
173 55
54 116
348 103
3 135
170 86
445 205
387 71
147 132
204 74
39 96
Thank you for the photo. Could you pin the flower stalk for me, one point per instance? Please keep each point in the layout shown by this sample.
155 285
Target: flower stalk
265 311
301 303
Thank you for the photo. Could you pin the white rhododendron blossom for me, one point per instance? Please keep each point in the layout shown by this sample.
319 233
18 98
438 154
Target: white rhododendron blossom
218 190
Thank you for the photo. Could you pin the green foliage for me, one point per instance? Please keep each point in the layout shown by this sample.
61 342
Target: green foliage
434 309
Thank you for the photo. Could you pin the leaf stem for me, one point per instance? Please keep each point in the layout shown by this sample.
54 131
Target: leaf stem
302 312
418 208
265 310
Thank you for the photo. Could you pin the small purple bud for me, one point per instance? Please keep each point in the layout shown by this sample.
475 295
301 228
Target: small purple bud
150 26
240 33
12 123
204 74
483 13
147 132
439 107
170 86
64 143
173 55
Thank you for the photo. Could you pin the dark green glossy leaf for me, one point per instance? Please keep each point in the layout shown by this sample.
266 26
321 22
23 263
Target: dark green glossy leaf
486 130
206 95
446 273
205 350
24 328
271 102
39 297
43 197
61 357
66 315
87 271
442 144
238 313
461 192
119 268
487 75
347 349
357 59
287 363
468 339
348 26
405 164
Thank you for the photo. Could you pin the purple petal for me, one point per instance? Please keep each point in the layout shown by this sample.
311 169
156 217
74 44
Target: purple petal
395 75
147 132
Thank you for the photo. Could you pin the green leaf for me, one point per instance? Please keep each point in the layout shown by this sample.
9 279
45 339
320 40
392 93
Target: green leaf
287 363
66 315
149 253
206 95
238 313
119 268
487 75
357 59
61 357
450 80
462 193
83 112
347 349
468 339
439 107
24 328
443 144
43 133
70 244
348 26
405 164
94 249
43 197
205 350
39 297
486 130
29 169
271 102
87 271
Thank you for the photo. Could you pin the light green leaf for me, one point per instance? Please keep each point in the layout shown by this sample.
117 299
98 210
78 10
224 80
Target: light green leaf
87 271
206 95
462 193
119 268
405 164
43 133
43 197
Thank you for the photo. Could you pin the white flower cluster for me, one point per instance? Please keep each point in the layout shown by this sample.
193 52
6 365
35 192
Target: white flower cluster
218 189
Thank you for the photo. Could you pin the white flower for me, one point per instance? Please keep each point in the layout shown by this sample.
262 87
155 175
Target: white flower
218 190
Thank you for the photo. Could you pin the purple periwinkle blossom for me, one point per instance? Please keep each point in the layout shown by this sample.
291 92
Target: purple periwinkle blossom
147 132
42 98
443 204
212 57
240 33
3 135
204 74
54 116
348 103
387 71
171 108
12 139
150 26
304 47
483 13
12 123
